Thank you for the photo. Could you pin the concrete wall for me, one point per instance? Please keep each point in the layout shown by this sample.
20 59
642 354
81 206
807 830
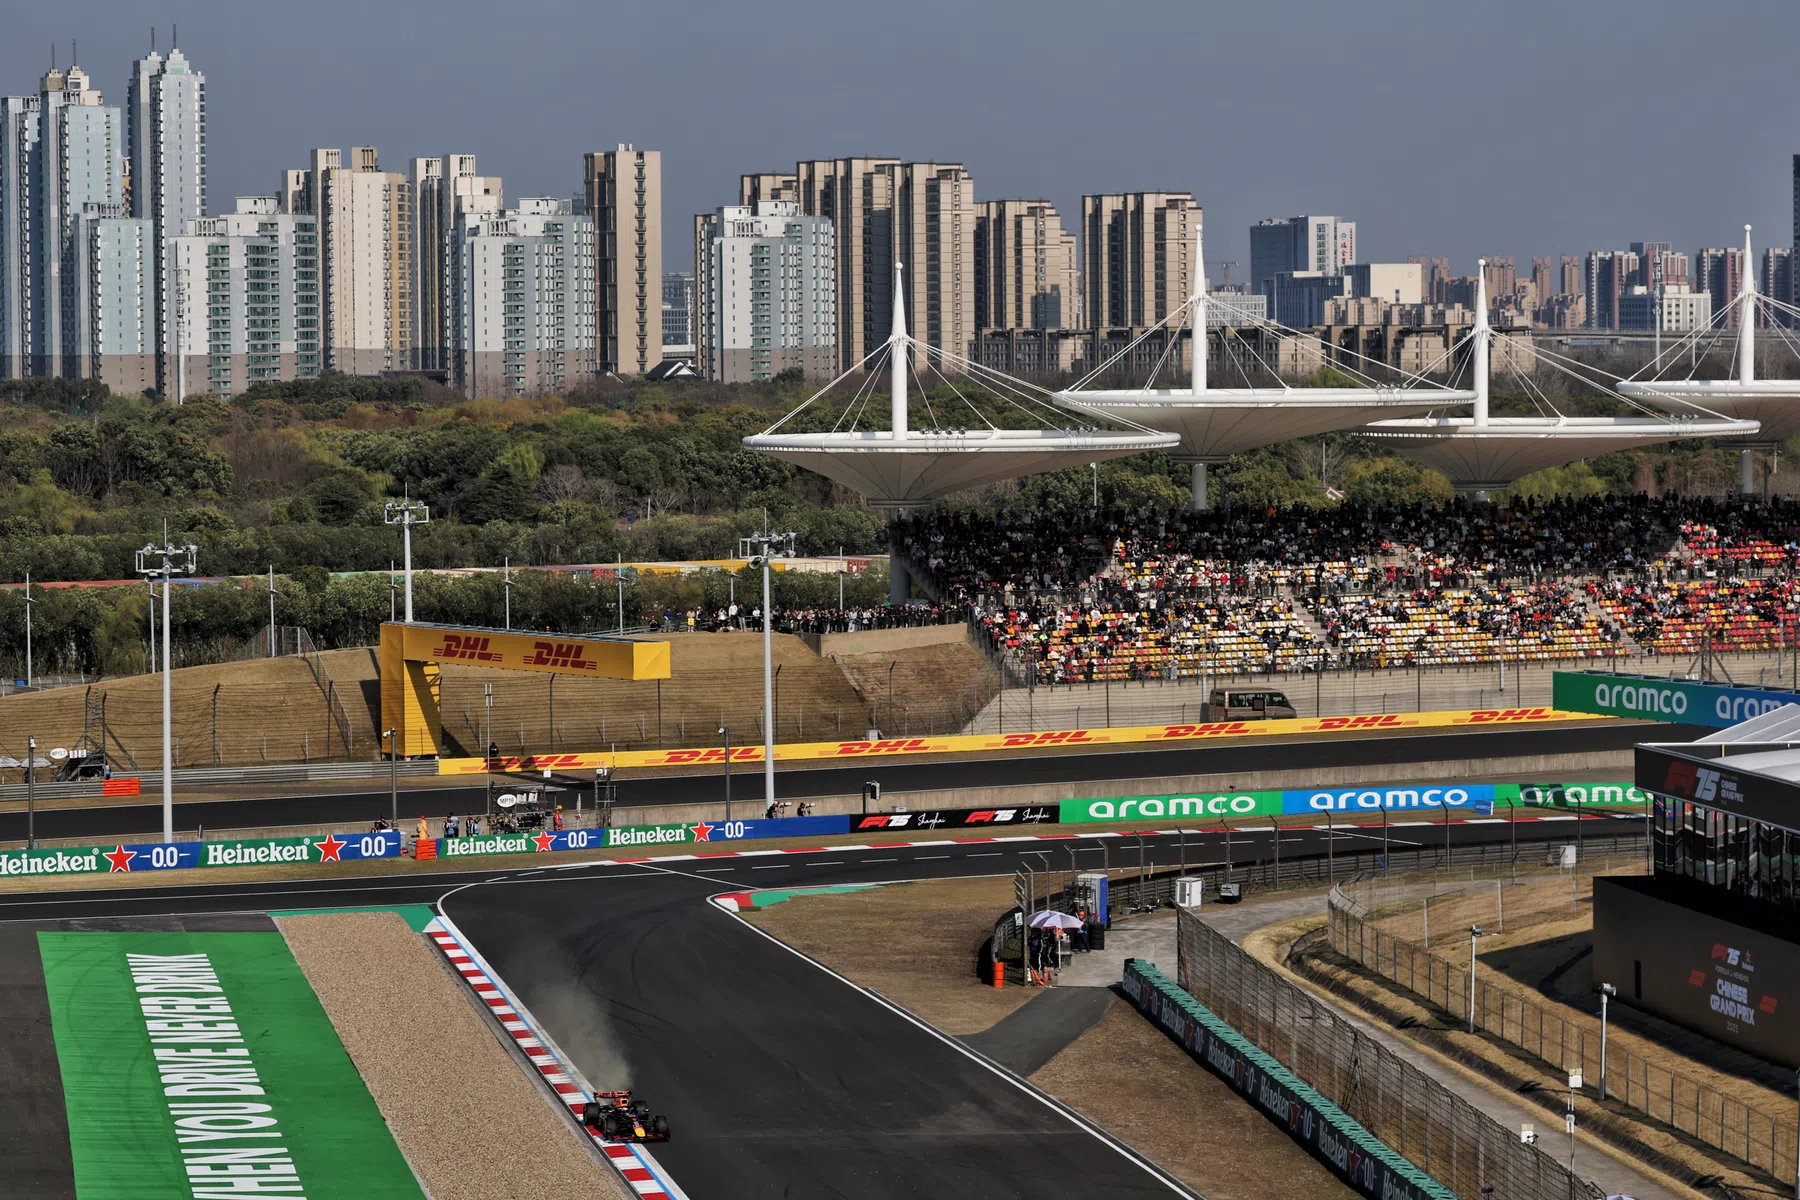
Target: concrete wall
883 641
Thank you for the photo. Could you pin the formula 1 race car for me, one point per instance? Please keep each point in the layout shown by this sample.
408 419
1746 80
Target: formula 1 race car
616 1117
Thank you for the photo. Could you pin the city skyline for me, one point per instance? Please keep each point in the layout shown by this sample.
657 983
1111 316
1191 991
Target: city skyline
1451 187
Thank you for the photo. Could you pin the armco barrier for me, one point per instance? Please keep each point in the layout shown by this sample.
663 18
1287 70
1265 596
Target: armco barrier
176 856
961 744
1653 698
1404 797
1346 1149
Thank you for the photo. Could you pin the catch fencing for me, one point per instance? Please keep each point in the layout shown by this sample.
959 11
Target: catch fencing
1451 1140
1568 1042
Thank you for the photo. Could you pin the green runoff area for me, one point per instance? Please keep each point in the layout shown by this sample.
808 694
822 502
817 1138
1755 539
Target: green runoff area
202 1065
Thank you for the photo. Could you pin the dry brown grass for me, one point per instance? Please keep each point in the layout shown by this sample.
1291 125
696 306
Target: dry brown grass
468 1119
1125 1075
1543 956
915 943
272 698
936 688
1342 982
714 679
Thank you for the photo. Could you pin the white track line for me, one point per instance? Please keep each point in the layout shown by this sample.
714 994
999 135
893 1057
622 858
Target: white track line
1043 1098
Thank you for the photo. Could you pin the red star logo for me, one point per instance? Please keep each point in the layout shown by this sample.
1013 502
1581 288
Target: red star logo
702 832
120 859
543 841
328 849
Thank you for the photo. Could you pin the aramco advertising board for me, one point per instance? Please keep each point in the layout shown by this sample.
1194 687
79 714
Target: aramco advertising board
1650 698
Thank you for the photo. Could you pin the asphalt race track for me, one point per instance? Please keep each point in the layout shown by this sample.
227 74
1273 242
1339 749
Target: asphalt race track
355 810
780 1079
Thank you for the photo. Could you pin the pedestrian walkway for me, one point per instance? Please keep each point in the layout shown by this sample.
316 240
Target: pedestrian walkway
1027 1038
1151 938
1616 1176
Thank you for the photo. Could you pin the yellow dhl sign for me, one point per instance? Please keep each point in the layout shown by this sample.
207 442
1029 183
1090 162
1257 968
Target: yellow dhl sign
608 658
979 743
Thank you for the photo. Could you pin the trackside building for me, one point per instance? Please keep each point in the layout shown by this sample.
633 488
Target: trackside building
1711 938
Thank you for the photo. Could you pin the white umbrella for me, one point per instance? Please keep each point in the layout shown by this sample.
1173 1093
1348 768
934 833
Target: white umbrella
1051 919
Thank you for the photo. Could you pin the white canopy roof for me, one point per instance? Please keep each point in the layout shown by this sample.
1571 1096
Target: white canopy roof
922 466
1774 404
1490 456
1219 422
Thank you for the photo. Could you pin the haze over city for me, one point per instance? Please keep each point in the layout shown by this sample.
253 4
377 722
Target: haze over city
1532 128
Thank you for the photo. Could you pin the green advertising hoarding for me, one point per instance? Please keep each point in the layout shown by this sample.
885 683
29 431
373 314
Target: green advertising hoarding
1395 798
1647 698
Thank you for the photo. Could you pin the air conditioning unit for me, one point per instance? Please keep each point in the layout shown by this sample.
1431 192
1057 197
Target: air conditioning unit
1189 892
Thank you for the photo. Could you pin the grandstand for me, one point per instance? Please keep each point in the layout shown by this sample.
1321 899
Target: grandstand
1131 597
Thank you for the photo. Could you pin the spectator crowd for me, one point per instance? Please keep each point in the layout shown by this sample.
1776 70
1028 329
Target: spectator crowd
1129 596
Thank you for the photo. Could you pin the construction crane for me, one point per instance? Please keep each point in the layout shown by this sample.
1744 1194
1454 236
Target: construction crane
1226 265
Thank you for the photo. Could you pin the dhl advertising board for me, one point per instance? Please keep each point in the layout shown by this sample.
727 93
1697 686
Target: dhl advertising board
412 658
1139 735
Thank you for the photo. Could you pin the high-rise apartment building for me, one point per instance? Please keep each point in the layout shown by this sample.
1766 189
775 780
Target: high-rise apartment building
444 190
706 227
242 299
1138 256
1502 277
934 244
18 233
770 185
623 191
1679 309
165 145
525 319
1569 276
678 311
1323 244
1543 282
770 303
1606 276
1721 272
114 298
62 161
1027 267
1775 278
1659 265
365 218
858 195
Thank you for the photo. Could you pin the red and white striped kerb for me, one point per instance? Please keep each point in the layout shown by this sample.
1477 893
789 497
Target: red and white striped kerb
633 1163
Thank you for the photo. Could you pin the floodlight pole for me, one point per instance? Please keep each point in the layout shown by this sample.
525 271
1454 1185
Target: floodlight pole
1475 932
165 560
725 732
1607 991
393 740
272 651
506 573
406 513
30 794
764 546
28 603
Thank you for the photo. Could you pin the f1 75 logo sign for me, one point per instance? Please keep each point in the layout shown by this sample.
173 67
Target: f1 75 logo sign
460 648
562 656
1692 780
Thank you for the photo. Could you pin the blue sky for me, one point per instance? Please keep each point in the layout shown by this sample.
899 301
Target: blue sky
1448 129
